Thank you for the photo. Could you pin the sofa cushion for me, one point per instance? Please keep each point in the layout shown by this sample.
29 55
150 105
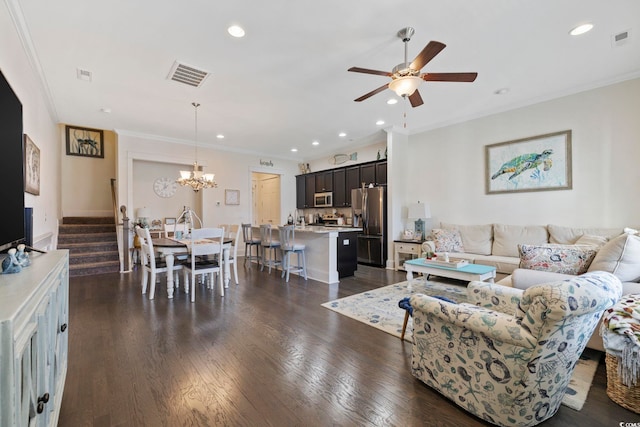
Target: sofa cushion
620 256
592 240
476 239
506 238
524 278
569 235
447 240
503 264
566 259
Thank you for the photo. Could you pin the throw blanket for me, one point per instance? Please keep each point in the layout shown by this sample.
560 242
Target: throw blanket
621 336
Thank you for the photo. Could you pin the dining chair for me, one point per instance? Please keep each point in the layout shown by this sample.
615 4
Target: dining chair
270 248
289 247
152 264
249 242
234 234
205 257
170 229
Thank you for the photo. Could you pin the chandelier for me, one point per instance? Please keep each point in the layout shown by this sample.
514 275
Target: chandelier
196 178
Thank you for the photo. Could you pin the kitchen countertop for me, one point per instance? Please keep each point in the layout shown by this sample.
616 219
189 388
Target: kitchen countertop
326 229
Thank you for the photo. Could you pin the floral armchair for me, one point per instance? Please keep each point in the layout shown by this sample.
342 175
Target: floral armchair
508 359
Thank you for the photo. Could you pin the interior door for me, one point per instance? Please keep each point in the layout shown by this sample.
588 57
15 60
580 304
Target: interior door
267 199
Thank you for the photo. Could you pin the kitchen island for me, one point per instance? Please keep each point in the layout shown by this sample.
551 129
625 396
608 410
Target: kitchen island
327 251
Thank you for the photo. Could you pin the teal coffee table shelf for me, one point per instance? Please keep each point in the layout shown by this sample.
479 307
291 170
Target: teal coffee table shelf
469 272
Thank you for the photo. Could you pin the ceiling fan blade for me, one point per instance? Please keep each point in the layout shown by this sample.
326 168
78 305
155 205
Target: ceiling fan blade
368 71
449 77
427 54
416 99
373 92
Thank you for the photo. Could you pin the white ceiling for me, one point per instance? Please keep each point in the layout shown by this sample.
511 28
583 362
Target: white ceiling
286 83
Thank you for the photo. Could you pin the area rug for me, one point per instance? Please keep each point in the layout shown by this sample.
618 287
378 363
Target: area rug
379 308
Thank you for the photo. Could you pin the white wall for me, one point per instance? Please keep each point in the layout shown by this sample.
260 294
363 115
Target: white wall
447 165
85 181
38 124
232 171
144 175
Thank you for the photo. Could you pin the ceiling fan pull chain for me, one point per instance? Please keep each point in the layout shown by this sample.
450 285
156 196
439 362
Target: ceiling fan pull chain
404 113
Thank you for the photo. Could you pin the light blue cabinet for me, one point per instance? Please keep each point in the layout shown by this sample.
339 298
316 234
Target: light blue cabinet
34 316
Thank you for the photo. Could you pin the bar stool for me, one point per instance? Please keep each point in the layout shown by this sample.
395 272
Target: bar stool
249 243
289 246
270 248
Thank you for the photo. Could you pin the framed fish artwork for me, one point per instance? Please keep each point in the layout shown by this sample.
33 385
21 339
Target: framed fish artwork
538 163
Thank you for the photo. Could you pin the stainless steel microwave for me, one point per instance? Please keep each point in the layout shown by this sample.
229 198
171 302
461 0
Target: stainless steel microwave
323 200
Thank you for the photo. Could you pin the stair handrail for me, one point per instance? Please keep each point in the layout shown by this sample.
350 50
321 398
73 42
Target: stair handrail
122 231
114 200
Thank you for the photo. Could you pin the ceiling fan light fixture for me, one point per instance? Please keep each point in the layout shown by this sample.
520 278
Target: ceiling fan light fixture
405 86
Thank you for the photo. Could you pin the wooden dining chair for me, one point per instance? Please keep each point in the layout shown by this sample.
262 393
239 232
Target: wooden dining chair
152 264
205 258
170 229
234 234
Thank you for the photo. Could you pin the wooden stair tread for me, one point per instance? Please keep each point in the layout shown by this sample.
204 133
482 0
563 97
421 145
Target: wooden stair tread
92 243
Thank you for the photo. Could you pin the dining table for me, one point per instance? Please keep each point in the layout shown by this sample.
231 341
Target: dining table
169 248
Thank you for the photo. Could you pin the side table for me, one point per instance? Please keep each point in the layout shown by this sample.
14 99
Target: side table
405 249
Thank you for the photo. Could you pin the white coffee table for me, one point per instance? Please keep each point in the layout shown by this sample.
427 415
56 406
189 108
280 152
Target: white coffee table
469 272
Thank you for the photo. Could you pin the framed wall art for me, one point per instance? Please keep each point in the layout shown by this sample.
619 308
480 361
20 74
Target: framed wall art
85 142
31 167
231 197
538 163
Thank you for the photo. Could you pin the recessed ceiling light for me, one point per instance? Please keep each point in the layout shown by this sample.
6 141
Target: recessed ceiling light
294 150
380 122
581 29
236 31
392 101
105 110
315 143
502 91
342 134
220 136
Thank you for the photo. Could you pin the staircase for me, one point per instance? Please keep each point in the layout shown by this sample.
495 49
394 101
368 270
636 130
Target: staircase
92 244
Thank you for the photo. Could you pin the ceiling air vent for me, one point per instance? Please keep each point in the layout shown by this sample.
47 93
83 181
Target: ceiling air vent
187 74
83 74
621 38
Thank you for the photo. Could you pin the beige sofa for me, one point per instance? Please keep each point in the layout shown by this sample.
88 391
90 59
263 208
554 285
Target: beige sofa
497 244
613 250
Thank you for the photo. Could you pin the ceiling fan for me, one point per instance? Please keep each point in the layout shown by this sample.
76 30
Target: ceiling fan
407 77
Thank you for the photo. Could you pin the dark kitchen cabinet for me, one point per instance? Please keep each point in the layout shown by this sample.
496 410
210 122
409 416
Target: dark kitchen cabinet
301 184
340 181
352 180
347 253
381 173
324 182
310 189
368 174
339 188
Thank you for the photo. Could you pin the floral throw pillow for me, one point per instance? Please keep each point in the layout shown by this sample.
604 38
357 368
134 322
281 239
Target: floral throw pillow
566 259
447 240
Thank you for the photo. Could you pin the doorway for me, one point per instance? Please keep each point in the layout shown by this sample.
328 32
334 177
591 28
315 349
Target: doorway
265 192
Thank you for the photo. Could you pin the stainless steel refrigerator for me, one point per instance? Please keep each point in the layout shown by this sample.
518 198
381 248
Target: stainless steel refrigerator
369 208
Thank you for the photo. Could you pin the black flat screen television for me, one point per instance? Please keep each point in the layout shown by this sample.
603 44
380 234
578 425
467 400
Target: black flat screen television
11 168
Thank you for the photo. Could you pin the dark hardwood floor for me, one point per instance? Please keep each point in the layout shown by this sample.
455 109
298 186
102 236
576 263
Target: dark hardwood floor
265 354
